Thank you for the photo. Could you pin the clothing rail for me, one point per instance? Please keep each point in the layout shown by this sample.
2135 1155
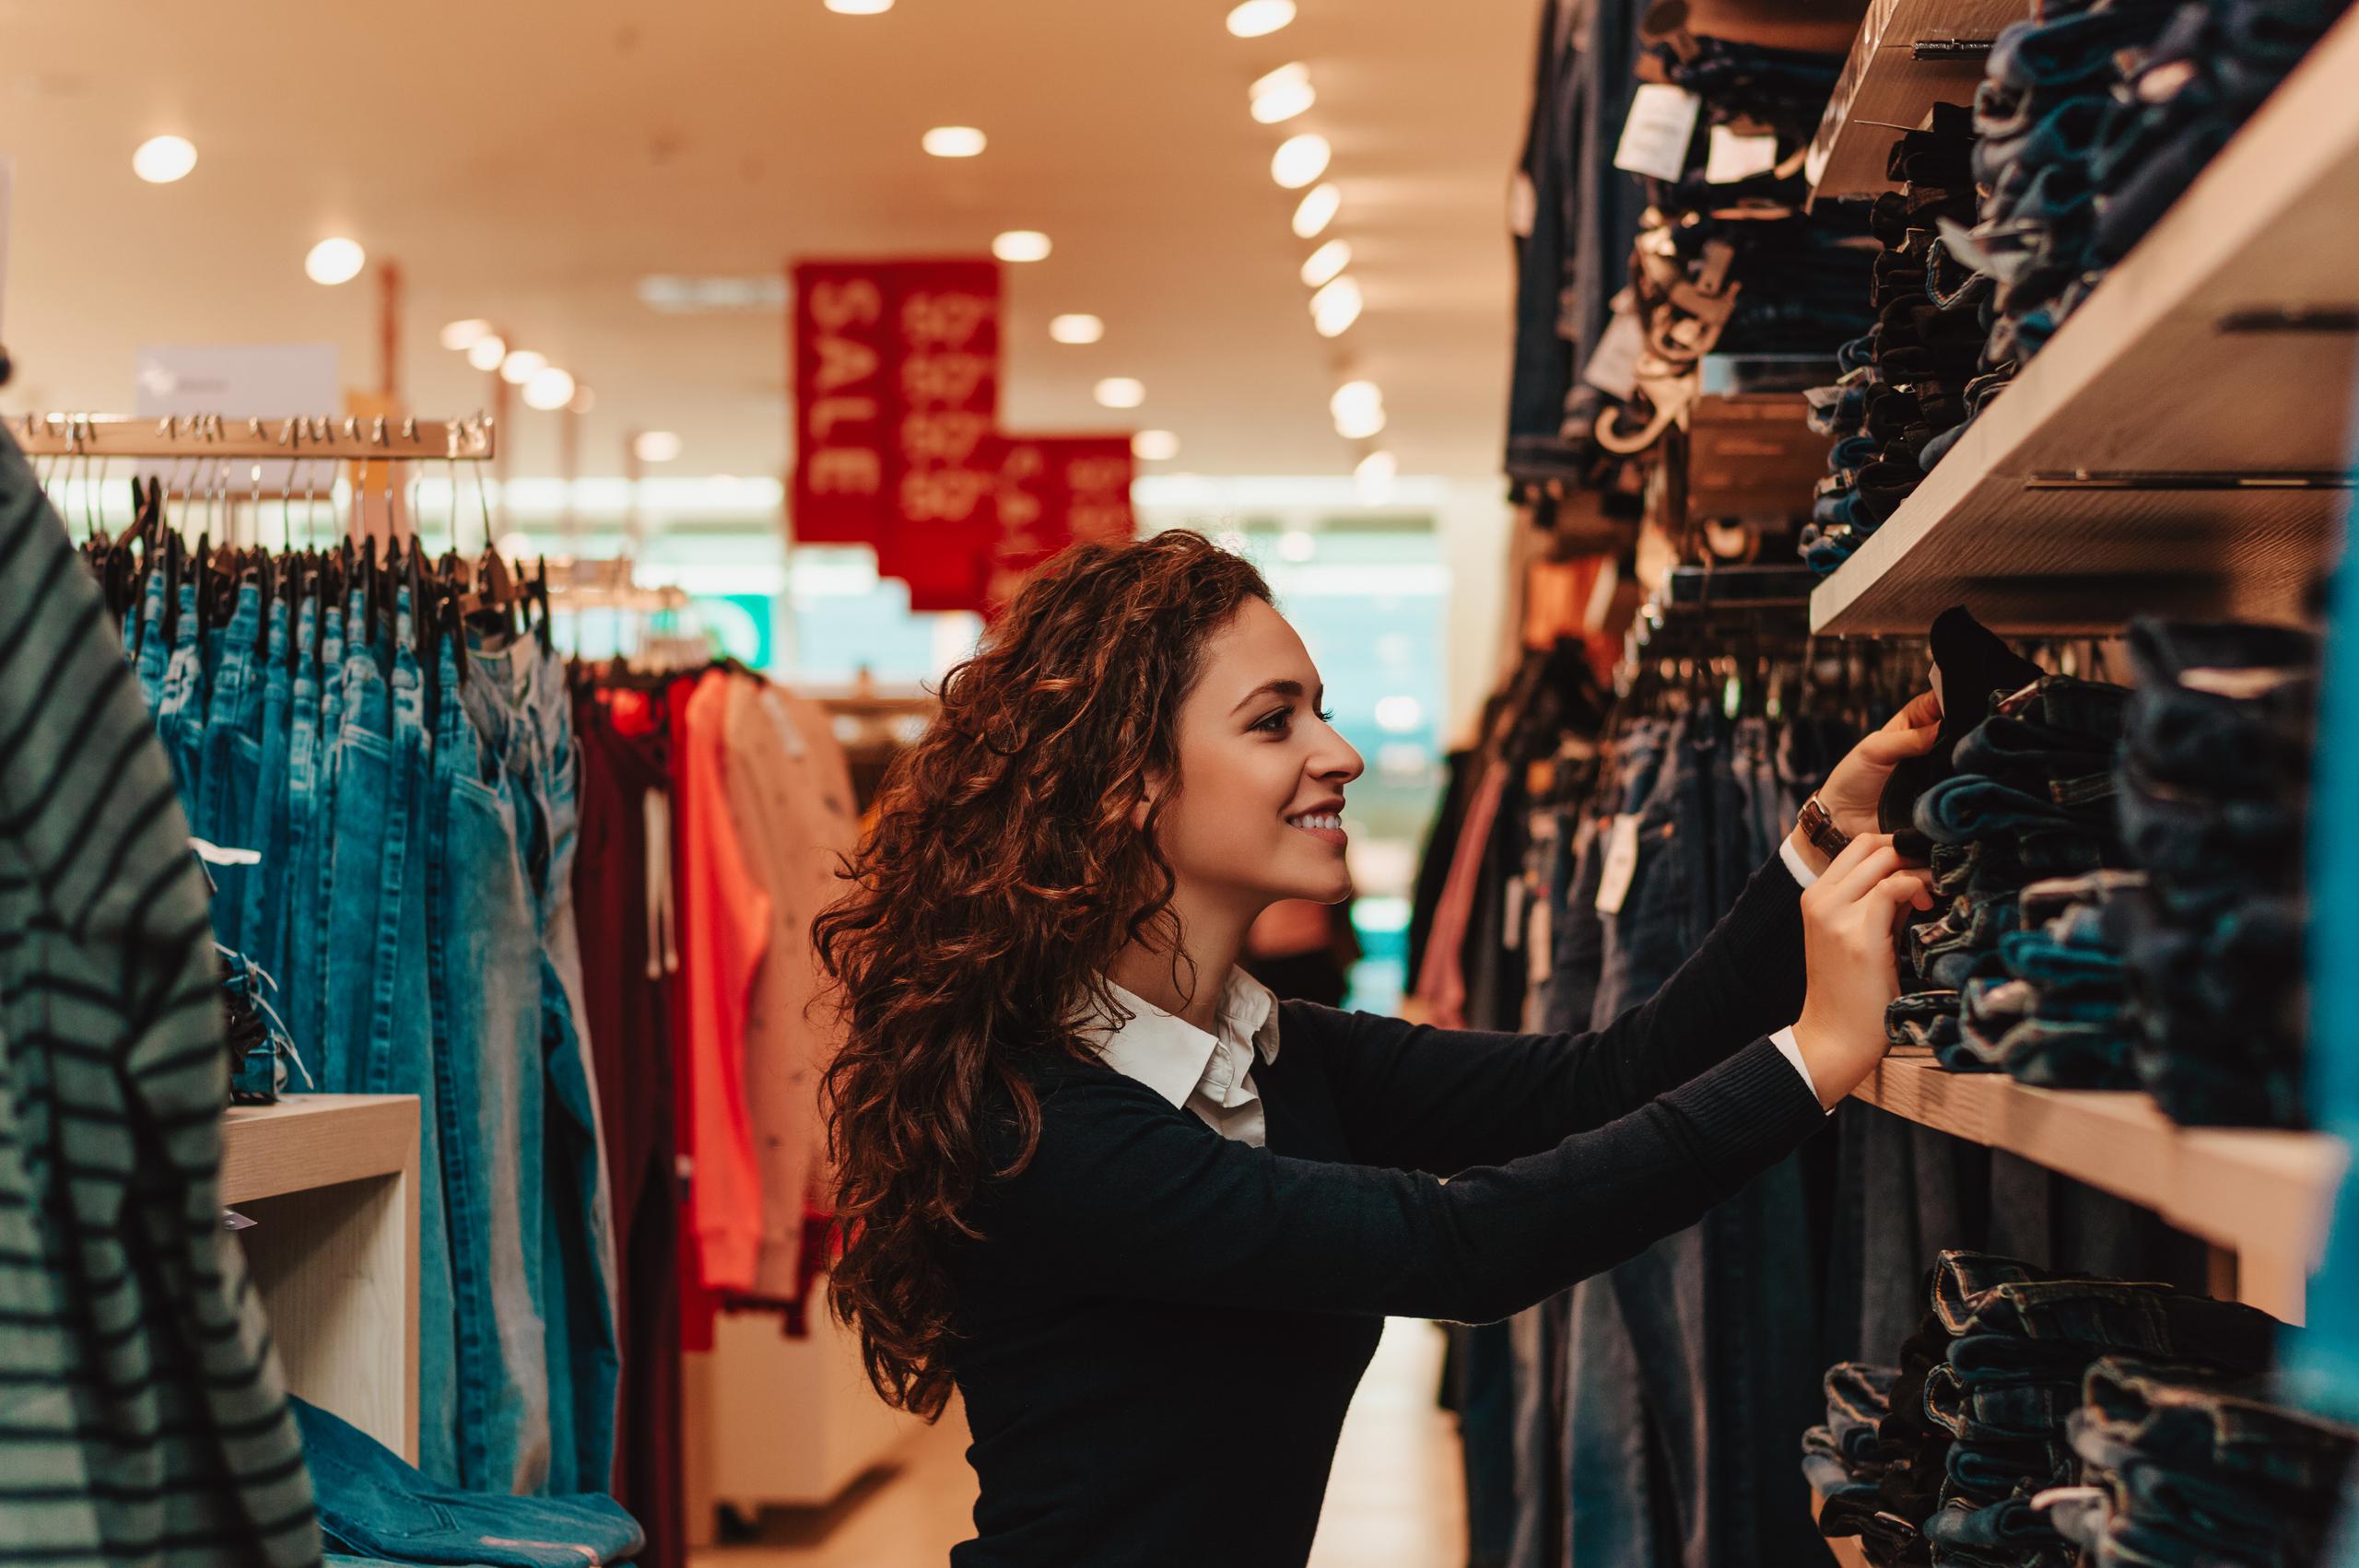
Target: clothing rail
296 437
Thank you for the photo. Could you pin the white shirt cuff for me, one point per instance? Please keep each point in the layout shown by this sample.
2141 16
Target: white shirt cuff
1784 1040
1796 864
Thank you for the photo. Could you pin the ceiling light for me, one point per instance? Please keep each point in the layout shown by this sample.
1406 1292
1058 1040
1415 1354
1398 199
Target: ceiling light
1258 19
1399 714
1297 545
336 261
1299 160
466 335
655 445
1377 469
1283 94
521 366
860 7
955 141
487 352
1076 329
1359 408
159 160
1155 446
1120 391
1335 308
1317 211
584 400
1327 263
549 390
1021 245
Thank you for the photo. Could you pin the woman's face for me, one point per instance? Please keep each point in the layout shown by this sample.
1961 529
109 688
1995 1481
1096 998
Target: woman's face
1259 813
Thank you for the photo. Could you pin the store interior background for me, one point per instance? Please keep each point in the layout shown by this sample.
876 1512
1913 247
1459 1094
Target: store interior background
620 189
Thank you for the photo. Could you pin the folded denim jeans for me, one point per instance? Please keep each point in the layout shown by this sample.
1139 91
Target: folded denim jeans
2199 1422
1977 1293
2010 1530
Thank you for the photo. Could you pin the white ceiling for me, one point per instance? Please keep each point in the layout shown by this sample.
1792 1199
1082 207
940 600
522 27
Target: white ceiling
530 160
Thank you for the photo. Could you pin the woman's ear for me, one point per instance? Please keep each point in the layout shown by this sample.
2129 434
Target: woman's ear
1149 795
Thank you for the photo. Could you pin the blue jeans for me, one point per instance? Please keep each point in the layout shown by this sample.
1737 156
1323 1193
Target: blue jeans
373 1504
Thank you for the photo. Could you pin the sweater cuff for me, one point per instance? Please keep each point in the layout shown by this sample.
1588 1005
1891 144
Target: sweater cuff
1749 1112
1791 1048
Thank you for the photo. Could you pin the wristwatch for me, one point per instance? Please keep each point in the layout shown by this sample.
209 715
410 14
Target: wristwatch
1818 826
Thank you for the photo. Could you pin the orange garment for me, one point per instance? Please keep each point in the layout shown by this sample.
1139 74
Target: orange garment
1441 982
726 917
790 798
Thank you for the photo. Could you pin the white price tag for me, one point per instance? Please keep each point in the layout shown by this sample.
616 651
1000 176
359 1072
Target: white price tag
1613 367
1655 136
1734 156
1620 864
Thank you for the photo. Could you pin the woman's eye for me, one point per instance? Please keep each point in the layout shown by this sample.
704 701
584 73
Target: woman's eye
1326 715
1277 722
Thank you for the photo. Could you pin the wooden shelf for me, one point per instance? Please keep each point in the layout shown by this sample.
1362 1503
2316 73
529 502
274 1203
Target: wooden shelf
314 1141
1846 1549
1885 89
2265 1196
330 1182
2102 484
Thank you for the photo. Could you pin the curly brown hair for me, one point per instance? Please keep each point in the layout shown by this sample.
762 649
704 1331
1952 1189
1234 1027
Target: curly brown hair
1002 876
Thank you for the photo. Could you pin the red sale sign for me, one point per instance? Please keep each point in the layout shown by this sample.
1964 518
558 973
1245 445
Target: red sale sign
1055 491
897 371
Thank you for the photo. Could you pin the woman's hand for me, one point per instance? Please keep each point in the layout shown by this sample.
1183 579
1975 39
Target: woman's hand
1849 919
1852 791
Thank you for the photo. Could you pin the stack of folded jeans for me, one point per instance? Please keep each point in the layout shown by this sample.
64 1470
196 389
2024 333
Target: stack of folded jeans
2213 781
2029 800
378 1510
1845 1460
2058 1014
2179 1465
1903 383
2095 118
1977 1424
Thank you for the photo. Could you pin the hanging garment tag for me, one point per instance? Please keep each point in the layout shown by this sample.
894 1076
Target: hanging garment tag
214 854
1736 156
1620 864
1613 367
1655 136
234 1220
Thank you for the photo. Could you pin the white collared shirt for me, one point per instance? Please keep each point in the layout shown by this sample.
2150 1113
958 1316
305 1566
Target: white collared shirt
1211 1075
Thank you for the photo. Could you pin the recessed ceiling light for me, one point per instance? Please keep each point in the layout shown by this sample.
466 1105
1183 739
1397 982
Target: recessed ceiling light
335 260
1021 245
1155 446
1299 160
655 445
1358 409
860 7
955 141
1258 19
1076 329
549 390
488 351
1317 211
1335 308
1283 94
1120 392
1327 263
159 160
521 366
462 335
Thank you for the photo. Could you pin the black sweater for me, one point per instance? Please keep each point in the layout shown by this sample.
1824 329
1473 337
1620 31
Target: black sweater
1162 1327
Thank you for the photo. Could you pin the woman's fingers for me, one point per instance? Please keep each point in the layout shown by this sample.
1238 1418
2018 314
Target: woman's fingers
1911 887
1923 708
1852 886
1889 745
1862 844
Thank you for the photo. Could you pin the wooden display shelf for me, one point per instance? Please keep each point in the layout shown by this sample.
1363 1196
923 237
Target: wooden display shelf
1846 1549
331 1183
2264 1196
1887 87
2178 447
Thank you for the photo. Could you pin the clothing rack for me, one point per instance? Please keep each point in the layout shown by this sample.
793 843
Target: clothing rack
213 436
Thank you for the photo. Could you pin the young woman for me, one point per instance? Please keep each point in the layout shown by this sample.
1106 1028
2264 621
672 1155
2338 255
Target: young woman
1147 1220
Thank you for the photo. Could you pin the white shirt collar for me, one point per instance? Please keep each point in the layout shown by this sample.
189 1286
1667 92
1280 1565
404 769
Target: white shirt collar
1178 1060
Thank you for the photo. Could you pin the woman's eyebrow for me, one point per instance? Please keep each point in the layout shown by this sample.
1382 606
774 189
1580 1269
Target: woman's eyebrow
1281 687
